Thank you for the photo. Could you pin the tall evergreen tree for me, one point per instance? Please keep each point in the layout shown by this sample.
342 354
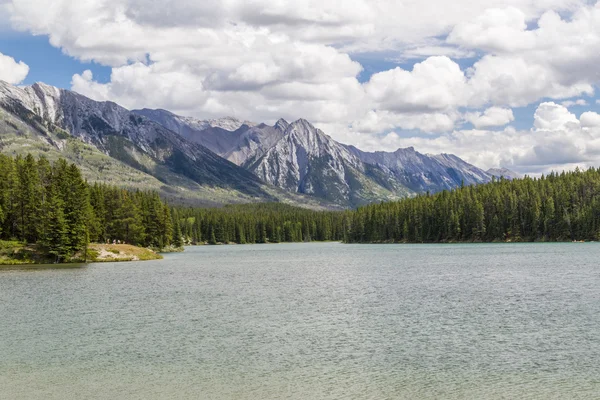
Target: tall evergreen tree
28 198
55 238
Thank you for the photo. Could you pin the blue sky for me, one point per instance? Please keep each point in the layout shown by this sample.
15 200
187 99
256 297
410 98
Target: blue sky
47 63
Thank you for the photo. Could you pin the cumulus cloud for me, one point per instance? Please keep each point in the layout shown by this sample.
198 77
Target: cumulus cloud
434 84
377 121
496 30
554 117
12 71
556 59
590 119
493 116
261 60
571 103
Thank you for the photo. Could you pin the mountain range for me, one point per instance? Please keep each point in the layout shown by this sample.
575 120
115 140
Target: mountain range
212 162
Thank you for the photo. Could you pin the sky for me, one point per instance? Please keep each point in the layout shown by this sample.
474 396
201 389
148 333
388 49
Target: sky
500 83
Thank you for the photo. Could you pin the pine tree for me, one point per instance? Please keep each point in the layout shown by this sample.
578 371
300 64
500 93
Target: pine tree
167 227
212 238
55 238
28 198
77 209
1 219
177 236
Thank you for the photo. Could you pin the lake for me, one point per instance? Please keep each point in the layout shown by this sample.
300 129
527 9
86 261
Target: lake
309 321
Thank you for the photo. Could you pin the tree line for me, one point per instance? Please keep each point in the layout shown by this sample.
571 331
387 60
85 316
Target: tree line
556 207
258 223
52 206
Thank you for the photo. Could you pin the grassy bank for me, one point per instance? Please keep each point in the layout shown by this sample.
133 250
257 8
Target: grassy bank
18 253
120 252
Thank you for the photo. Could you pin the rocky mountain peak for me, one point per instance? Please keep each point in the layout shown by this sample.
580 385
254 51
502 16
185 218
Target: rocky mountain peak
229 123
41 87
410 149
281 124
9 91
303 125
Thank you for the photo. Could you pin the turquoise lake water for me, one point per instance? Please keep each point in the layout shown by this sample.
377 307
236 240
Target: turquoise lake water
309 321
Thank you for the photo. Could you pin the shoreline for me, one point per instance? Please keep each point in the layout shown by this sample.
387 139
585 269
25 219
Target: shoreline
16 254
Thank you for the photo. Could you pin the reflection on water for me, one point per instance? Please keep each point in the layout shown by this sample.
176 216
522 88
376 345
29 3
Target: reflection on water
309 321
29 267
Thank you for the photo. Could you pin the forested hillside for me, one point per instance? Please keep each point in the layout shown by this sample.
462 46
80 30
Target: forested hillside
557 207
52 206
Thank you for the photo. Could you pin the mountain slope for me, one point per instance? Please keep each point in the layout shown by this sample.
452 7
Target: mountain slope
215 135
423 173
504 173
299 158
254 142
228 137
110 143
131 139
296 157
305 160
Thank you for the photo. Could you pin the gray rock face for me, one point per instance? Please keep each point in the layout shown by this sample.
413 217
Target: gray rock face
296 157
503 173
306 160
421 172
254 142
215 135
228 137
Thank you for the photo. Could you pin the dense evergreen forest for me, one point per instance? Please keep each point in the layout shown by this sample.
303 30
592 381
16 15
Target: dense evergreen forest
52 207
259 223
556 207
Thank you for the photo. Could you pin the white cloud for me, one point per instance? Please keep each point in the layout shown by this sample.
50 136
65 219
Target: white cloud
12 71
377 121
514 81
434 84
433 47
493 116
557 59
558 140
554 117
496 30
571 103
408 22
590 119
261 60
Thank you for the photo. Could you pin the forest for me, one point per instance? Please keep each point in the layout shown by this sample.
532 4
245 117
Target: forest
555 207
54 208
259 223
51 206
